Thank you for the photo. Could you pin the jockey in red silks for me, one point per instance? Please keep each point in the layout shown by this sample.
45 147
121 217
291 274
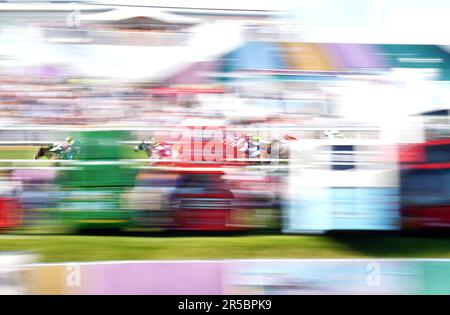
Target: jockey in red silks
161 150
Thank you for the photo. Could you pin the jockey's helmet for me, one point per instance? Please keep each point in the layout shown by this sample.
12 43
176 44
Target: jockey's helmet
153 141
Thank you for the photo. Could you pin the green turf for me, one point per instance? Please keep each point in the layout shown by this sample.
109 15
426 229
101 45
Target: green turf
28 152
19 153
94 248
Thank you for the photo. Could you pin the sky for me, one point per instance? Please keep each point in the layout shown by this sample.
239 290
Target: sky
399 21
405 21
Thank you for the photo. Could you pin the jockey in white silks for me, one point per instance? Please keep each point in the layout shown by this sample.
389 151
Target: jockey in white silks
251 144
68 149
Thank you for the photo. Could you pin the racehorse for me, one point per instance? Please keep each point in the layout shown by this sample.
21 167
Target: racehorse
278 150
148 148
45 151
253 148
155 150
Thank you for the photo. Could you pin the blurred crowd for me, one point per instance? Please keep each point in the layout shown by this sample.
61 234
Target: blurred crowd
75 102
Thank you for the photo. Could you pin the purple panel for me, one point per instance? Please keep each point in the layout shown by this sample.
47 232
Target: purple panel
44 71
34 175
193 74
168 278
356 56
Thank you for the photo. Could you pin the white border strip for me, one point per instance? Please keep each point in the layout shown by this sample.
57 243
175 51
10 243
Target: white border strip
250 260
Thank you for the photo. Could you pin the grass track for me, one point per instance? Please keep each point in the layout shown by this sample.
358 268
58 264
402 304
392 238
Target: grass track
57 248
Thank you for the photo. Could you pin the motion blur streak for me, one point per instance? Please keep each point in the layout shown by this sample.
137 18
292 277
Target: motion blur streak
237 118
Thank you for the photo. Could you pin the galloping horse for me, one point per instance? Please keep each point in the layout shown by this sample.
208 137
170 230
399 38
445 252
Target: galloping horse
253 148
158 151
278 150
146 147
45 151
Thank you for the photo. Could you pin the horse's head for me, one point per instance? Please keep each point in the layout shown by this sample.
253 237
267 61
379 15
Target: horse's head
40 153
139 147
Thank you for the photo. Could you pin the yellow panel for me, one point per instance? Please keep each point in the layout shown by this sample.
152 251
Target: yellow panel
46 280
308 57
51 280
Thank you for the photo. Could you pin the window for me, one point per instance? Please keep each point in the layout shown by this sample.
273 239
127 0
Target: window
426 187
438 153
343 157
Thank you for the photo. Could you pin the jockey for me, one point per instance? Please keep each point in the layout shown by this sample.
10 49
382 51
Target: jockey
163 149
73 148
240 142
69 148
68 142
56 147
254 146
250 144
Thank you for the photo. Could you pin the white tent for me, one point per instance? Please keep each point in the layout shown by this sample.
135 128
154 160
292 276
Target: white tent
131 13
